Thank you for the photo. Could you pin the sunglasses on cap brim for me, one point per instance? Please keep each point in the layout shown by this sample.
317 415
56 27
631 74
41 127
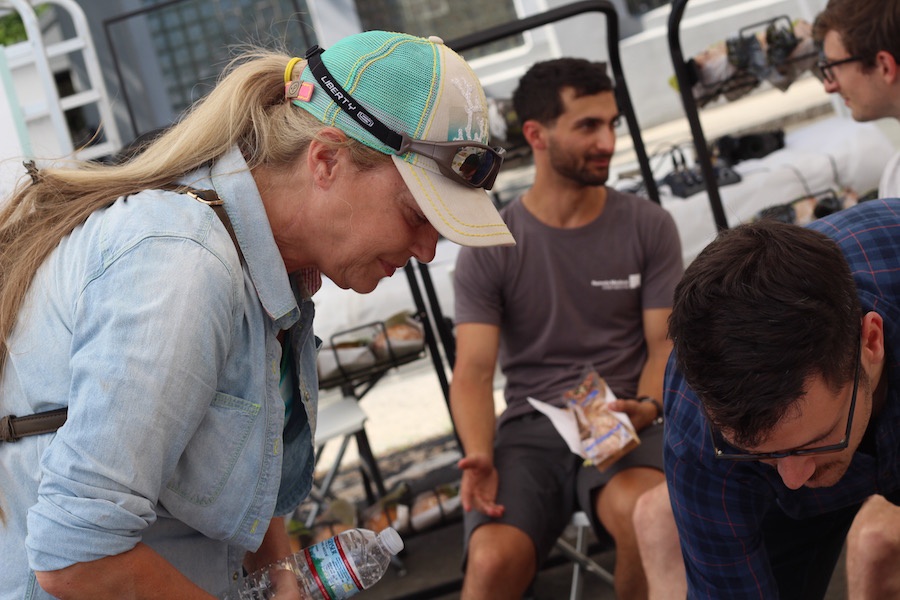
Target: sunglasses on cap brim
470 163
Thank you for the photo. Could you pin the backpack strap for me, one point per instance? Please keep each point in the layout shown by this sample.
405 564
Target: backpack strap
13 428
211 199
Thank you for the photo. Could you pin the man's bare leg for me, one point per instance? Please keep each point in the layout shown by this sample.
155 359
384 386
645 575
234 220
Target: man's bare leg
657 538
500 563
615 509
873 551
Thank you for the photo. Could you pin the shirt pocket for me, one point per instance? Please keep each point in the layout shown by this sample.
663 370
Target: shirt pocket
210 457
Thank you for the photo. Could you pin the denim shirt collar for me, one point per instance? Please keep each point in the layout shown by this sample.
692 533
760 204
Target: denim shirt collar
245 209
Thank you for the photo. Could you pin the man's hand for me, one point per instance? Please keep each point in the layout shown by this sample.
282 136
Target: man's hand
642 414
478 488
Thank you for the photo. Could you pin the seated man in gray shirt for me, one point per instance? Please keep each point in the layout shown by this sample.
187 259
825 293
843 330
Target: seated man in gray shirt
589 283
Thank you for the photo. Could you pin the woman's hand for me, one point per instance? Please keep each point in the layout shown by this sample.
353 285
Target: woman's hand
285 585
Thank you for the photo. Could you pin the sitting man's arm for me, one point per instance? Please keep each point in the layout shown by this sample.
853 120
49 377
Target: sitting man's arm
472 406
650 384
659 346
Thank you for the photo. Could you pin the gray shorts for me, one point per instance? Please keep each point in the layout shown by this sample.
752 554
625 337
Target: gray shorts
541 483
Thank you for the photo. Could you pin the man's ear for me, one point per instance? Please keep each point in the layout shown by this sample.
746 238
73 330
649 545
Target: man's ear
325 152
535 134
873 337
887 66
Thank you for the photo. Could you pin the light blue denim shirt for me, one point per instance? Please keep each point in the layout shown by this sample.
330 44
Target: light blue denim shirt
144 323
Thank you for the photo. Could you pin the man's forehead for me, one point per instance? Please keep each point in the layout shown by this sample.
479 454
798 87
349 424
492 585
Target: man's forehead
833 45
604 101
806 421
570 94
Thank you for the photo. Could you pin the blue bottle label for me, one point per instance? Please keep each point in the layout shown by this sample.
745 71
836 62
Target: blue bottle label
332 569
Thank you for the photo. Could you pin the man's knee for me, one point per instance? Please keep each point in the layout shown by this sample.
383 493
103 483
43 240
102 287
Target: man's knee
874 537
652 518
500 553
656 531
620 498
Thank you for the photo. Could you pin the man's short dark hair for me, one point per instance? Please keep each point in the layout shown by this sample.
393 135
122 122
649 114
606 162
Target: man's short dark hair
762 309
538 95
866 27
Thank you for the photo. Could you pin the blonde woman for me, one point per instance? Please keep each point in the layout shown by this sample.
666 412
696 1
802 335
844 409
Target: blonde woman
157 331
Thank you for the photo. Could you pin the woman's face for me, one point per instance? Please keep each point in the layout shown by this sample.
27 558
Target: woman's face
373 226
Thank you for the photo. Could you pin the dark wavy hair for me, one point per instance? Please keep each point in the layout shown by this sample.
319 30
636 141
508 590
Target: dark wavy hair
537 96
762 309
866 27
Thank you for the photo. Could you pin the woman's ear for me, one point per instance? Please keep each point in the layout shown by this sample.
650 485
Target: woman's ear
326 151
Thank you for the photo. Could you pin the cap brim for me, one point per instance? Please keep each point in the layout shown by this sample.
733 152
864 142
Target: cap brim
460 213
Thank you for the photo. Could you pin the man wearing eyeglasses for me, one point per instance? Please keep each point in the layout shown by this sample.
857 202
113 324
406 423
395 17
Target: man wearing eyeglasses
590 284
860 43
782 407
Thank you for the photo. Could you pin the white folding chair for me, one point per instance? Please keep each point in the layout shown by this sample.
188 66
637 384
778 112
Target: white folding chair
579 556
340 419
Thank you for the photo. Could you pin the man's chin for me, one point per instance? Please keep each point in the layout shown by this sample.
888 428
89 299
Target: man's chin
860 116
598 180
827 478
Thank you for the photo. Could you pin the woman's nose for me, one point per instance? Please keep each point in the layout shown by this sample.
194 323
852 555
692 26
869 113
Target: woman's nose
796 470
426 243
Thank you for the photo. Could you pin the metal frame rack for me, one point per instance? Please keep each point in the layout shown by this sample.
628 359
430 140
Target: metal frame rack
704 157
691 110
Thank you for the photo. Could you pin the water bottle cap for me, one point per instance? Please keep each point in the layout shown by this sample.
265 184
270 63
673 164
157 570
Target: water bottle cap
391 540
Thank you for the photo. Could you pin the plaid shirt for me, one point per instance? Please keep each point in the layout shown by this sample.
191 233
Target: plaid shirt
719 504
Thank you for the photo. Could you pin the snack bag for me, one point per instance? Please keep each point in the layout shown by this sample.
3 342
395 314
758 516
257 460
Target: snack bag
605 435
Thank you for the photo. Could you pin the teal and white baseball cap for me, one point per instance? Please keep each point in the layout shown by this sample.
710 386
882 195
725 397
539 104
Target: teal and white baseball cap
417 100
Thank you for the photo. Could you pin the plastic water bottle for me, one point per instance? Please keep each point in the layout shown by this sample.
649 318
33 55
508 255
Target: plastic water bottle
337 568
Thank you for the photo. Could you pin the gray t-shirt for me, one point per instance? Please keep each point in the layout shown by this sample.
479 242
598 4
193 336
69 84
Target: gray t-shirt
568 298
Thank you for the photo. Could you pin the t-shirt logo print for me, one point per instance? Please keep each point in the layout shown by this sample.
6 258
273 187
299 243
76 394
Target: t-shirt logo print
633 282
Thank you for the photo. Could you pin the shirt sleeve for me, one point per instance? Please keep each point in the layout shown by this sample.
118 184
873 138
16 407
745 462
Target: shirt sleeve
718 506
889 184
151 329
663 261
477 286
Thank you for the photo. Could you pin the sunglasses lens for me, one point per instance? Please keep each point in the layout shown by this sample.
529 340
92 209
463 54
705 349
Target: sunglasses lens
475 165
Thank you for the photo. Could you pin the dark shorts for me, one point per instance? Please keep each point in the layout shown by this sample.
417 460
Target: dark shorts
541 483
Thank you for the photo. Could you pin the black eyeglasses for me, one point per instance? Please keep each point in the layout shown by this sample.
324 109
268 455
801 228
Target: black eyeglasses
826 68
470 163
746 456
